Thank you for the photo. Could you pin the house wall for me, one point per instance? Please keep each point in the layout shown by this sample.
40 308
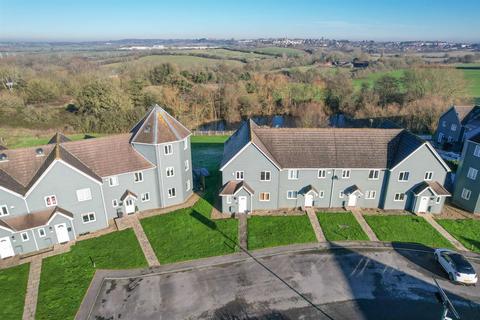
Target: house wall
16 205
450 118
462 181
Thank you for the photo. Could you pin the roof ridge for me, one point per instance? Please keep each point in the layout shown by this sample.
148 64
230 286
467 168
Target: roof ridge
79 160
175 132
15 179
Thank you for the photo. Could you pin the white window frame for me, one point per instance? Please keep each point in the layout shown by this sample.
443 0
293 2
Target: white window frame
84 194
428 176
113 181
266 173
172 193
376 174
137 177
87 214
52 196
321 194
437 201
466 194
264 193
370 194
239 175
44 232
453 127
292 174
346 173
450 139
4 207
168 149
24 234
472 173
115 203
402 174
170 172
401 196
145 197
476 151
444 123
322 174
185 144
229 199
187 165
292 194
188 185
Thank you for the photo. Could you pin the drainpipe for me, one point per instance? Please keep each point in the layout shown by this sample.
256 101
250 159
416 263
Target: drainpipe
334 177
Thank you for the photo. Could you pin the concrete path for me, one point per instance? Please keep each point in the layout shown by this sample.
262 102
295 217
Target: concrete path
31 296
429 218
315 225
243 231
365 227
144 243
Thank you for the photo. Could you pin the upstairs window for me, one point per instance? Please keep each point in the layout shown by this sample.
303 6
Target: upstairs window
4 210
239 175
51 201
265 176
292 174
113 181
472 173
453 127
428 175
168 149
403 176
373 174
444 123
322 174
138 176
84 194
185 144
172 193
170 172
476 152
345 173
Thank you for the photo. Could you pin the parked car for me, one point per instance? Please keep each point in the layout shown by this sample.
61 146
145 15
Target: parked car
456 266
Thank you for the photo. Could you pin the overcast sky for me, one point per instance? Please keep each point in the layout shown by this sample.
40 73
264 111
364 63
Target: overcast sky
340 19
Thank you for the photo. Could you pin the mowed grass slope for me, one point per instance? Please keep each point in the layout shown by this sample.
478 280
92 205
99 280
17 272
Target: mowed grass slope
406 228
65 278
13 287
188 234
340 226
467 231
279 51
278 230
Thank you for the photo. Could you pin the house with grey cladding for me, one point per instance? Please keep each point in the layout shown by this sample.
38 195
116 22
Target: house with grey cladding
456 125
467 179
276 168
53 193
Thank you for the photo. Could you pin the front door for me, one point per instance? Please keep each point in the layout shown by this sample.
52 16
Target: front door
6 249
308 200
423 204
62 233
242 204
352 200
129 206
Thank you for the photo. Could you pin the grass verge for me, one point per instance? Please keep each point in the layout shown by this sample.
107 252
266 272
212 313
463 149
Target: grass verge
65 278
189 233
403 228
13 286
277 231
467 231
340 226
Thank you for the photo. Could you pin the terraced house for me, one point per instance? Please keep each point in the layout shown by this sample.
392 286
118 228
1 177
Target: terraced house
53 193
271 168
456 125
467 180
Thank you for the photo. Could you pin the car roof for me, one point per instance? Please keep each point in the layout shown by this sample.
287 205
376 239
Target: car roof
458 259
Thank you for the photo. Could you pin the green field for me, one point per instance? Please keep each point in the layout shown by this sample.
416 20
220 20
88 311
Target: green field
278 51
208 139
402 228
189 233
473 78
337 226
66 277
274 231
225 54
372 77
467 231
23 141
13 286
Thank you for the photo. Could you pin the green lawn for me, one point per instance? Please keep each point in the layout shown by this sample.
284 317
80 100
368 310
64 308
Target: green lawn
467 231
31 141
372 77
340 226
402 228
278 230
189 233
66 277
473 78
13 286
209 139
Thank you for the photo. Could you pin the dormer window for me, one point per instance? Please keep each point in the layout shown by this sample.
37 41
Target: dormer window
39 152
147 128
3 157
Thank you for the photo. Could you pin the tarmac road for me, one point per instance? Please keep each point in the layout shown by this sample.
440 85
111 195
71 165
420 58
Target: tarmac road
309 284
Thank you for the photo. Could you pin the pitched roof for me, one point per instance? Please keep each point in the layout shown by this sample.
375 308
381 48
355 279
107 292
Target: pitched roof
58 137
464 113
232 187
32 220
158 126
436 187
475 138
128 193
352 189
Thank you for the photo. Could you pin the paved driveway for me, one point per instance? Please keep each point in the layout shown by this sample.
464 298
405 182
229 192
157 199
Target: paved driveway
312 284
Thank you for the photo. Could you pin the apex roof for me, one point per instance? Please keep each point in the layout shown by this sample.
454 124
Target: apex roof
33 219
158 126
325 147
464 113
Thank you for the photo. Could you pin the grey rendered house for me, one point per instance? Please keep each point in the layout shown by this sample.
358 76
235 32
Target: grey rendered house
51 194
467 180
457 124
270 168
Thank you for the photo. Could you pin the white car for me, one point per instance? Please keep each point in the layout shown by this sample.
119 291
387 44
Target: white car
457 267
